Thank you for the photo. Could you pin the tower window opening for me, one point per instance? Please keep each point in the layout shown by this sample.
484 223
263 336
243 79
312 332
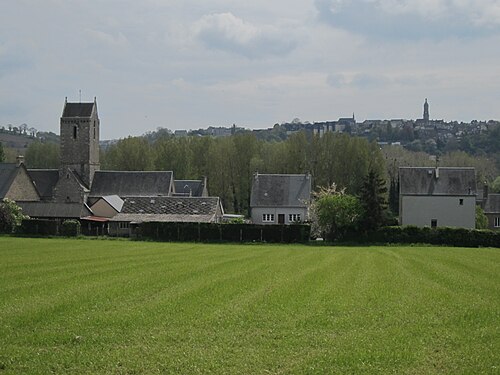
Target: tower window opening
75 129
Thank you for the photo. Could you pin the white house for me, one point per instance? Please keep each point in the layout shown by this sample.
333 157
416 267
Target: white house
437 197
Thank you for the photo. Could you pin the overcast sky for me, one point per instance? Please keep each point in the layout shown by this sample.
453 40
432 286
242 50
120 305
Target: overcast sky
184 64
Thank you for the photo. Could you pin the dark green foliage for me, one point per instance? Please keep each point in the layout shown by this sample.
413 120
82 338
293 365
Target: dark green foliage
2 153
42 155
394 196
39 227
481 219
374 202
206 232
436 236
70 228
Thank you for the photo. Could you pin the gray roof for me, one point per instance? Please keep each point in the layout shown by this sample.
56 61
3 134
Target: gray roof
440 181
54 210
114 201
142 218
8 172
280 190
131 184
78 109
187 209
492 204
192 188
45 180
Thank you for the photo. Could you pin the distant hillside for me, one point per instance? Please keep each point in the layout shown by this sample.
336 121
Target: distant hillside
16 144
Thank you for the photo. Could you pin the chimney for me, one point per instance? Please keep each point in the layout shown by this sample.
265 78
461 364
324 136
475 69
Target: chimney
19 160
437 173
485 192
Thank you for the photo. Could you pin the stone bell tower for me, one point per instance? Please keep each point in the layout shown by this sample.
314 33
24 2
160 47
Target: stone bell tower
79 134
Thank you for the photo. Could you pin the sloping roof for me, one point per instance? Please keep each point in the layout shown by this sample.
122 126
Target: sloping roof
142 218
8 172
131 184
193 188
492 204
440 181
187 209
45 180
78 110
54 210
280 190
114 201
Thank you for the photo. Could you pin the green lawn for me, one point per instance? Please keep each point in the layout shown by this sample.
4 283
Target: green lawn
95 306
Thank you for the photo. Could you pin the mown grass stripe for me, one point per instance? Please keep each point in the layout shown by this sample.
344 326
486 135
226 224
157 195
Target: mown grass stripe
81 306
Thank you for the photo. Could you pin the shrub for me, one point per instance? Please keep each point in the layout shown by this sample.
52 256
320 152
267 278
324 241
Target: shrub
70 228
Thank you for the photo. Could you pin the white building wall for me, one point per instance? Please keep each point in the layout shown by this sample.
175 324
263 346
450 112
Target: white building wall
258 212
447 210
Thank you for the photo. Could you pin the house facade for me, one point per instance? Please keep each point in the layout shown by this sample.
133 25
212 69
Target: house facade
437 197
491 207
280 198
16 184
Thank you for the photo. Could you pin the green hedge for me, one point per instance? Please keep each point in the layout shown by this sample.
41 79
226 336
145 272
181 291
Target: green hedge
39 227
70 228
205 232
436 236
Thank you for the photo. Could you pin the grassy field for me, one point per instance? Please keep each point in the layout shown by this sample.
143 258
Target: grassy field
95 306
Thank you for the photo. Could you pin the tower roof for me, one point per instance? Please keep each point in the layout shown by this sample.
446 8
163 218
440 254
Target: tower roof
78 109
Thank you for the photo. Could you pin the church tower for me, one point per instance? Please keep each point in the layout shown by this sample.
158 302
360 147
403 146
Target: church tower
79 134
426 112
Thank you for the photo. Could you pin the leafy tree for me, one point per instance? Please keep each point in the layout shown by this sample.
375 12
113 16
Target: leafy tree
129 154
495 186
481 219
42 155
394 196
373 200
335 213
11 216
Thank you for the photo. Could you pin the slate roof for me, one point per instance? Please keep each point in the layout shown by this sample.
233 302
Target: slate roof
45 180
185 209
441 181
55 210
78 109
131 184
492 204
114 201
188 188
8 172
280 190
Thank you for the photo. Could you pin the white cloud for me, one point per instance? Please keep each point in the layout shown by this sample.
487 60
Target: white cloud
226 32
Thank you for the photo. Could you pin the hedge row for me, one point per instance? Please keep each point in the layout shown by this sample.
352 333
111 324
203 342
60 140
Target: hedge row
436 236
41 227
205 232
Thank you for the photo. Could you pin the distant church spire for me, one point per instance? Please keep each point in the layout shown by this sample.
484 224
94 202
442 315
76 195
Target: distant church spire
426 111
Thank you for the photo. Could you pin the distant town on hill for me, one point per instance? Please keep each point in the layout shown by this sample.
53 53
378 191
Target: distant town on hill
425 134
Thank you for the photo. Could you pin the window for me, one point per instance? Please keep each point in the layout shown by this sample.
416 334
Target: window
94 129
461 202
123 225
496 224
293 218
75 130
268 218
434 223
